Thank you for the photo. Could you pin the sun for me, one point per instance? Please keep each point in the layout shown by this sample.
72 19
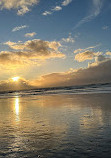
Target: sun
15 79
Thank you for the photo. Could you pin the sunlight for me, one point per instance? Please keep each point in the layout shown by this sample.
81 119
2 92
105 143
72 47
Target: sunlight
15 79
17 108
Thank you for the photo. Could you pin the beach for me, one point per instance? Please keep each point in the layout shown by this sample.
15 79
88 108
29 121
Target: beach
55 79
55 126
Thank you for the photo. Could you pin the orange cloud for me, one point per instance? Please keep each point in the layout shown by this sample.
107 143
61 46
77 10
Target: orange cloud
87 55
30 34
30 51
95 73
10 85
108 53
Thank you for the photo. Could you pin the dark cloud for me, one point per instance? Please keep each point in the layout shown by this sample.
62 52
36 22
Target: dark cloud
98 73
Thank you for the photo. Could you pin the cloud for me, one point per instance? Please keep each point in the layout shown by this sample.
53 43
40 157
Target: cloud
7 58
19 28
105 27
32 51
46 13
30 34
57 8
108 53
66 2
87 55
22 6
69 39
10 85
86 49
98 59
95 11
99 73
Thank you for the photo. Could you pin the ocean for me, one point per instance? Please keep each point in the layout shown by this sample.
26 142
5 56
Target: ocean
83 89
57 122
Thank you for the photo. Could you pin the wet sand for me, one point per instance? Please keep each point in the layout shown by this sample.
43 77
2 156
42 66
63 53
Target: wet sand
56 126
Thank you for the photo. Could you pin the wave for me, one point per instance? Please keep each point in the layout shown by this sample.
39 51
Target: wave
83 89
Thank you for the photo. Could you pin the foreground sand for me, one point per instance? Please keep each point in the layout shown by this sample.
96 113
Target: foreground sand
56 126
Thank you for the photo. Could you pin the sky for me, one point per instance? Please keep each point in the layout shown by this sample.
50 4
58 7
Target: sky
54 42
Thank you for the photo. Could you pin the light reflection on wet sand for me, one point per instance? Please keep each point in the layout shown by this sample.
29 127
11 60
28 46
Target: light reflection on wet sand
16 108
55 126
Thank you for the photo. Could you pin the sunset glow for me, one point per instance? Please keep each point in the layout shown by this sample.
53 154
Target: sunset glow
51 49
55 78
15 79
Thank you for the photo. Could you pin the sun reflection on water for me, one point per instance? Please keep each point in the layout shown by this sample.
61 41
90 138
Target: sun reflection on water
17 108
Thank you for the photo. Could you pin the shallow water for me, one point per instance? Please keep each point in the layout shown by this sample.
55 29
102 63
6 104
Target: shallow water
56 126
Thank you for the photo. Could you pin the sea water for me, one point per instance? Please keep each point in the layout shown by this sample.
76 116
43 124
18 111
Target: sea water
56 123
